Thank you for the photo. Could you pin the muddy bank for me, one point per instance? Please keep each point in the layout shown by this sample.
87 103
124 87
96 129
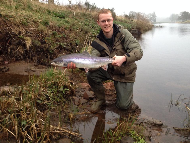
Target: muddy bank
19 72
23 68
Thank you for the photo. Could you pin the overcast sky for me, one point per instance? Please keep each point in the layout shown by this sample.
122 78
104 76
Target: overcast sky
162 8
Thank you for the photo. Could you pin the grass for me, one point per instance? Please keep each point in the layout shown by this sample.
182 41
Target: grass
25 113
125 127
59 26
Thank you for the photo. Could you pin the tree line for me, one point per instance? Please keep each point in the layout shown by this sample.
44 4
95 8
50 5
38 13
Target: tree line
183 16
151 17
92 7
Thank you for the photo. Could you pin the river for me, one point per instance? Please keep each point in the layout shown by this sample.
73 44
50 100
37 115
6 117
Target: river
163 73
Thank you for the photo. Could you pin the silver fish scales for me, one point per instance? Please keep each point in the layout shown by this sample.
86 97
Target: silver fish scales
81 60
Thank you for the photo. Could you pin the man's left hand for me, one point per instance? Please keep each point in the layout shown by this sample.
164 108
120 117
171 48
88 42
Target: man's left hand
118 60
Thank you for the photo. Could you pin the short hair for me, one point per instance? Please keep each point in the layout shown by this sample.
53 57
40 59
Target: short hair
103 11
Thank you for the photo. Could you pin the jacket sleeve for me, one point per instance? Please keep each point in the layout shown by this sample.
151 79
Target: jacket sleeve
132 47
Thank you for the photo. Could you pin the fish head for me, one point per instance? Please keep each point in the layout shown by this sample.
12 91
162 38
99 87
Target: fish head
59 62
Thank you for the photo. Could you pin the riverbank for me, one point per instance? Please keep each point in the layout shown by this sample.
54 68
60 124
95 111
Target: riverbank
82 99
36 32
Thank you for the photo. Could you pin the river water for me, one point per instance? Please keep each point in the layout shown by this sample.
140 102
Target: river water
163 74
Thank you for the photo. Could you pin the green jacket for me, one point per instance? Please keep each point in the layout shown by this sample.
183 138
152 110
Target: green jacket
123 44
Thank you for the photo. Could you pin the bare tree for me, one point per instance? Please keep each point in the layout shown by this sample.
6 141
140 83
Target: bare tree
50 1
184 16
174 17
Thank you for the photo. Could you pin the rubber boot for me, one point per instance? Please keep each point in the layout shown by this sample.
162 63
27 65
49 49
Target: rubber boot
97 105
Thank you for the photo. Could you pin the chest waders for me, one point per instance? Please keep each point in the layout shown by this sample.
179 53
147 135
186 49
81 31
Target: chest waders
124 90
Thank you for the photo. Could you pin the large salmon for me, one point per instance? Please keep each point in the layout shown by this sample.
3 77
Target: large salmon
82 60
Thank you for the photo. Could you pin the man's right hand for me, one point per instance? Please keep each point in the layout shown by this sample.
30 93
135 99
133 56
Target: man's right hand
71 65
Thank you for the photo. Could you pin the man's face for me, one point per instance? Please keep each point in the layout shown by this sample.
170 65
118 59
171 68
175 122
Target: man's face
105 22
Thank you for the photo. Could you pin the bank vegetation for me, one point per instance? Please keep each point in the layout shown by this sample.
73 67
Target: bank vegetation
39 32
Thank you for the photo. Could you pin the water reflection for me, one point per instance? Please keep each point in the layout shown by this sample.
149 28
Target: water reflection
99 127
181 103
180 29
184 29
146 36
93 129
13 79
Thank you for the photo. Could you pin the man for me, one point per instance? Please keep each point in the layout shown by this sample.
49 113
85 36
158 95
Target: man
119 44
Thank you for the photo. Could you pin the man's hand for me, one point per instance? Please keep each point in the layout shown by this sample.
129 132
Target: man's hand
71 65
118 60
105 67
